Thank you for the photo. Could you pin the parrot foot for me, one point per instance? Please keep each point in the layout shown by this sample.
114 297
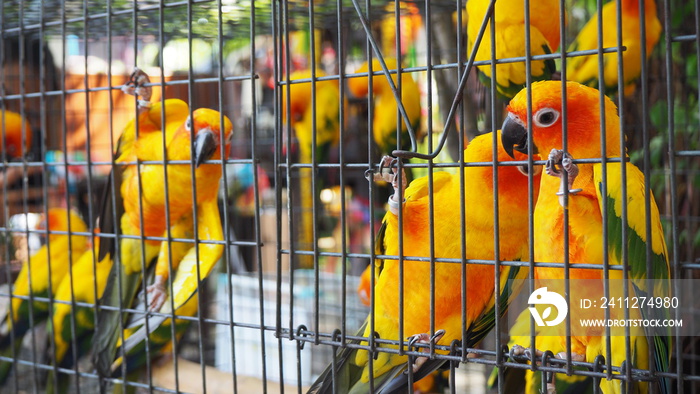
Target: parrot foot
135 87
574 356
427 339
157 294
387 175
527 352
557 161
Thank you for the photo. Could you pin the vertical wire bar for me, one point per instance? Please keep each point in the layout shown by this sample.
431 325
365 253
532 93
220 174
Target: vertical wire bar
565 145
22 111
496 218
647 177
64 124
462 182
45 169
278 141
431 213
431 186
341 173
110 178
604 181
256 195
623 175
314 159
166 198
195 214
672 168
530 184
373 280
142 231
91 221
227 231
278 51
256 187
288 160
6 206
71 275
113 187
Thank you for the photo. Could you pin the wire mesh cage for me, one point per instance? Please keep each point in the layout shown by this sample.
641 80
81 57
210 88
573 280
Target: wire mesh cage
349 196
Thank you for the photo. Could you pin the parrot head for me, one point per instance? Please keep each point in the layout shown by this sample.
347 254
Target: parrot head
300 94
12 145
512 180
206 129
57 219
359 86
175 110
583 120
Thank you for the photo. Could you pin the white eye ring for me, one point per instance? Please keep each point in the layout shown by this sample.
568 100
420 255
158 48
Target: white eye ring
545 117
188 124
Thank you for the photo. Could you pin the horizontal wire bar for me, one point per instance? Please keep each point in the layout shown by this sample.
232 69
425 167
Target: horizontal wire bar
51 367
104 15
121 163
448 66
174 82
690 153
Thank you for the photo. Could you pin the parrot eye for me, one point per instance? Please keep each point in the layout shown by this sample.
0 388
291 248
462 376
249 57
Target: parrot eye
188 124
545 117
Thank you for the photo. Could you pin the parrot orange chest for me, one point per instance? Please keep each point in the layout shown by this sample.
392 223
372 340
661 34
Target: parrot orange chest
585 228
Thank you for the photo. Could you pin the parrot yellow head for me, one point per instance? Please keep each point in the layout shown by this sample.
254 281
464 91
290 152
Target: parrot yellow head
359 86
13 134
206 129
300 94
56 219
583 120
512 180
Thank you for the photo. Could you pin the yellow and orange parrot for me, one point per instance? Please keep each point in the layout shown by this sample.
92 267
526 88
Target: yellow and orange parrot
585 204
353 373
510 40
143 201
384 123
45 270
321 122
71 324
584 69
11 125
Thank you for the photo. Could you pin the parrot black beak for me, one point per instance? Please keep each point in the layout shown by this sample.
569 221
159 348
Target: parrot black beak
205 146
514 135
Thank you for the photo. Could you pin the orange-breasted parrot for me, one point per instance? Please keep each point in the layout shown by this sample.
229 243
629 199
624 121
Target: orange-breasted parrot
353 371
384 122
47 267
584 69
326 116
11 124
88 284
586 200
510 40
